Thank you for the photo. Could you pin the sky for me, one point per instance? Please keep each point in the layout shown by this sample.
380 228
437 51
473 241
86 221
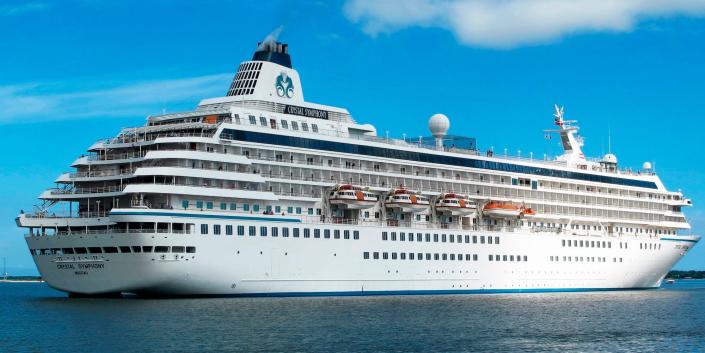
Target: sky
74 71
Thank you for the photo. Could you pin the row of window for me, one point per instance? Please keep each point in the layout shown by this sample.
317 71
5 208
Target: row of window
510 258
418 256
649 246
443 238
586 244
246 207
584 259
284 123
284 231
115 250
331 146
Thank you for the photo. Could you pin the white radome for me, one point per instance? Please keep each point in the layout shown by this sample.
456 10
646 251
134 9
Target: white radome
646 166
439 125
610 158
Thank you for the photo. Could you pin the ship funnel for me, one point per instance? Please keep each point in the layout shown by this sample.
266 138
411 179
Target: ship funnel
272 50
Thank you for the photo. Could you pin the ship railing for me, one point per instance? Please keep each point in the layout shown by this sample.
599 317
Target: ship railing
93 190
78 215
102 173
151 136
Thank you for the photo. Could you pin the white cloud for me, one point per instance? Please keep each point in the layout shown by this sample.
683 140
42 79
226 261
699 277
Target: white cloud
512 23
51 101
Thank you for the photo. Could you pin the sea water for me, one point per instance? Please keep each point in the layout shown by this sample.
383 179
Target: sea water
36 318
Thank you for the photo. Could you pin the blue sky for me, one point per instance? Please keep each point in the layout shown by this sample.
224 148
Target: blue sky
74 71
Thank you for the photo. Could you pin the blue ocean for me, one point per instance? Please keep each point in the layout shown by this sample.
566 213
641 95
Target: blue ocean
36 318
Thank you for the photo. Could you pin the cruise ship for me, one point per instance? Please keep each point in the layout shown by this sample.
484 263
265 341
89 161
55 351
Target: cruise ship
261 193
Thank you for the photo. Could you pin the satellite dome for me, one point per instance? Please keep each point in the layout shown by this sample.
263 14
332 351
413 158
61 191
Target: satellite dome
439 125
609 158
646 166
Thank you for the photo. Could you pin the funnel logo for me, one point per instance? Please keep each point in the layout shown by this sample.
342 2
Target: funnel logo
284 85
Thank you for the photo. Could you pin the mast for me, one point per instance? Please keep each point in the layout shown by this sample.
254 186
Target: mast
572 151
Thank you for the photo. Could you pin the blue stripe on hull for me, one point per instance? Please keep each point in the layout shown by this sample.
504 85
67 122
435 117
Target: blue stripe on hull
212 216
407 292
685 240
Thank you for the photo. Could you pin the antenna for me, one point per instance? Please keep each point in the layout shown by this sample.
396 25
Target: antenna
609 140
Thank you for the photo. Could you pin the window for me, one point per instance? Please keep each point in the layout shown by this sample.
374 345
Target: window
233 206
435 238
228 230
246 207
285 124
255 208
402 236
223 206
184 204
253 120
240 230
490 257
204 229
178 249
263 231
161 249
346 234
295 232
496 240
263 121
356 235
252 231
384 235
209 205
277 209
275 231
304 126
199 204
316 233
289 209
298 210
190 249
310 211
314 127
285 232
394 256
146 249
216 229
109 250
336 234
294 125
385 256
366 255
474 239
375 255
134 249
307 233
394 236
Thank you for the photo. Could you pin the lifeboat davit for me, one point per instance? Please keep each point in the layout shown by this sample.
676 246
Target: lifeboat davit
352 197
456 205
501 209
407 201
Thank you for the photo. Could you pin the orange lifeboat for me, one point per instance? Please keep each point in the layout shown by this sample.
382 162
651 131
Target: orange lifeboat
501 209
528 212
352 197
456 205
406 200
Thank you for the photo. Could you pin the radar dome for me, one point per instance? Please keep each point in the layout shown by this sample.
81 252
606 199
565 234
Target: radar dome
646 166
609 158
439 125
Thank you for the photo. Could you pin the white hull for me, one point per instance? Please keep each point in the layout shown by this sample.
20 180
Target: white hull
258 265
407 207
501 213
353 205
457 211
